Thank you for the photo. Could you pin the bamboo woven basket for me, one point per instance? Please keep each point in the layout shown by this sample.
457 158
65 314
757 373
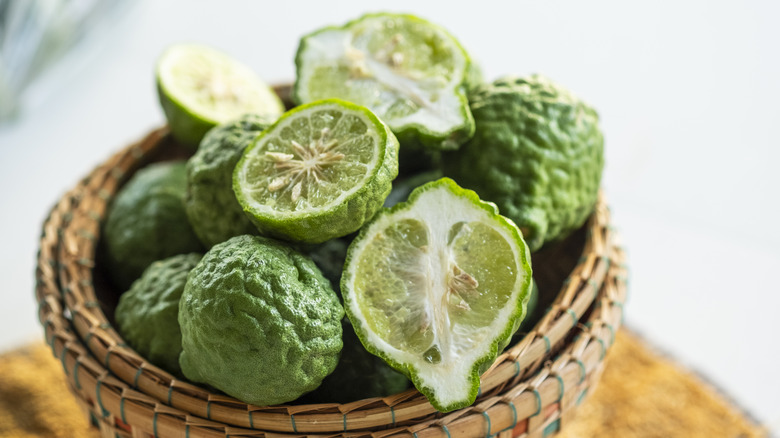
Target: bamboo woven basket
532 389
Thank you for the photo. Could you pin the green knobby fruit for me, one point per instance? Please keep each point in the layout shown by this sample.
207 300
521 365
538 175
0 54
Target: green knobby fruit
147 314
259 322
537 152
211 204
147 222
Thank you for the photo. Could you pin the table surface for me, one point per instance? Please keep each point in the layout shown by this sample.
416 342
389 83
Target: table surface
688 96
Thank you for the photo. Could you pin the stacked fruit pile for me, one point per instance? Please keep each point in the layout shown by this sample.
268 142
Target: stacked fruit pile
296 251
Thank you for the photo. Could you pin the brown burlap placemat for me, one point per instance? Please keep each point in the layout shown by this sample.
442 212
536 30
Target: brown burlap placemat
641 394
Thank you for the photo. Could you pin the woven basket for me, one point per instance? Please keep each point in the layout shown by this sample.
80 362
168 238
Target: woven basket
532 389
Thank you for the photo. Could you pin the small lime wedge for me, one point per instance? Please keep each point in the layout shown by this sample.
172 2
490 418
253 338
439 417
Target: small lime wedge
318 173
200 87
410 72
436 286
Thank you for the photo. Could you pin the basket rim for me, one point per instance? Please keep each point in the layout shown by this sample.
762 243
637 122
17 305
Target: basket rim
84 207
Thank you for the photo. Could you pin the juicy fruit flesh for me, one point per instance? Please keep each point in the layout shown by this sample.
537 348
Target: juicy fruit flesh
214 85
405 71
401 288
437 284
311 161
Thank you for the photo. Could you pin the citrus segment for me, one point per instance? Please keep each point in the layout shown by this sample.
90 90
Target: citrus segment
436 286
412 73
200 87
320 172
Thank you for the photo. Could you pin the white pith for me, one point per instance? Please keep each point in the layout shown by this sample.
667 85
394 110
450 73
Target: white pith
332 46
260 151
214 85
440 209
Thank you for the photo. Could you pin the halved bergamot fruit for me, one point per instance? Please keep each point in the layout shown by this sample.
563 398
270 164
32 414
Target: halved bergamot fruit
436 286
320 172
411 73
200 87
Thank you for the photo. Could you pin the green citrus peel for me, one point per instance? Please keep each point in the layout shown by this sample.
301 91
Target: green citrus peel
200 87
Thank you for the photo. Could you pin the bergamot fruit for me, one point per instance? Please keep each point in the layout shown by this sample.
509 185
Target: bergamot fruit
259 322
319 172
412 73
200 87
211 204
537 152
436 286
147 314
147 222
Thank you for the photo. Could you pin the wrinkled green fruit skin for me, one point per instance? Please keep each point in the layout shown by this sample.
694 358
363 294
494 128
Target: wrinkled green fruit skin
259 322
359 375
147 314
147 222
210 202
537 152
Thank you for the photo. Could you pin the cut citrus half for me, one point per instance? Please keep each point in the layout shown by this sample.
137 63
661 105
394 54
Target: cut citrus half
436 286
200 87
410 72
320 172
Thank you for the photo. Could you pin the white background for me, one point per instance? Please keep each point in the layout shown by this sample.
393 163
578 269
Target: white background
689 96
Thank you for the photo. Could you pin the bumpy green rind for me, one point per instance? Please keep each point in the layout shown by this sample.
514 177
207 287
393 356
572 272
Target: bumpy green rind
147 314
499 342
341 219
538 153
259 322
211 205
359 375
147 222
415 135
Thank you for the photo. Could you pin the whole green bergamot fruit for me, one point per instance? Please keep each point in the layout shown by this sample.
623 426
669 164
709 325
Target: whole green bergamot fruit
147 314
358 375
146 222
259 322
210 202
537 152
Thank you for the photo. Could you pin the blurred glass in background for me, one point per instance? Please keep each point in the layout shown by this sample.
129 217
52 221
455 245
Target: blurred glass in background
35 34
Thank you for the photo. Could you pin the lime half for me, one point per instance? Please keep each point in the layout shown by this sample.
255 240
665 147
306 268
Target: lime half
200 87
436 286
320 172
410 72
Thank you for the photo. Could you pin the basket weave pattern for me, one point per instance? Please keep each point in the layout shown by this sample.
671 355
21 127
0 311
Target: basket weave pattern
532 389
